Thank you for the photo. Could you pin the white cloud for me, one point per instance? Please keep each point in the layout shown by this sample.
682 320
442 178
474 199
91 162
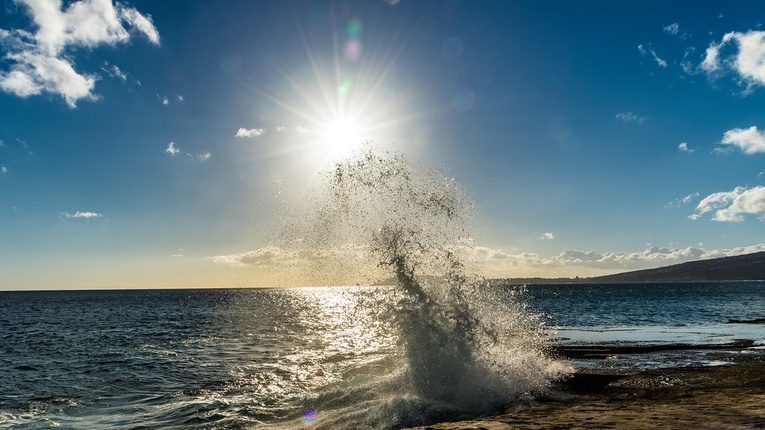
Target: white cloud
689 197
203 156
497 263
749 140
547 236
686 63
113 71
84 215
260 257
731 206
141 22
659 61
3 169
167 101
172 149
747 61
35 73
683 201
683 147
41 62
250 132
629 117
711 63
673 28
645 51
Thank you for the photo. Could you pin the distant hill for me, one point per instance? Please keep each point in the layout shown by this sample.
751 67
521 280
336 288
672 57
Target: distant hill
749 267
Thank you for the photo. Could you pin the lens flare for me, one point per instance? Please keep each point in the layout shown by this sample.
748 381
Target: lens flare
309 417
463 100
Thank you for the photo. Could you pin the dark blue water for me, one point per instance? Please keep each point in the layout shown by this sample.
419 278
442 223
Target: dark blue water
647 304
263 358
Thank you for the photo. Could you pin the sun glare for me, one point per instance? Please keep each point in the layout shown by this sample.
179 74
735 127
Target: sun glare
336 101
342 136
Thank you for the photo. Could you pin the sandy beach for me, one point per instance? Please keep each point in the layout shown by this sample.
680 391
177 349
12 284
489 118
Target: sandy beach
722 397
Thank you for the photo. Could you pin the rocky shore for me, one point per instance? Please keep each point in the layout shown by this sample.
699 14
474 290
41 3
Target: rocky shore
721 397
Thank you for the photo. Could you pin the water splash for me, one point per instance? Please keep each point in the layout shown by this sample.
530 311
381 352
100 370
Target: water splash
467 348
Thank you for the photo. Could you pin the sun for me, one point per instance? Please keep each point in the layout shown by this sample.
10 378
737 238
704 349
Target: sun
342 136
343 96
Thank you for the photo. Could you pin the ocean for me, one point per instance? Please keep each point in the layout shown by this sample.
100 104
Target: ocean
333 357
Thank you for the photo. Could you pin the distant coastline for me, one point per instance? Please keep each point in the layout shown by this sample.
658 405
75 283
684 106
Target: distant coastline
749 267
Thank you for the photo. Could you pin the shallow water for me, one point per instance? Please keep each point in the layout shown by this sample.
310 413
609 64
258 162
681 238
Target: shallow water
654 314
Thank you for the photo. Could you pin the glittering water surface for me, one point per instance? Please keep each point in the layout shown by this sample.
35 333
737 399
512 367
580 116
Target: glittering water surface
179 358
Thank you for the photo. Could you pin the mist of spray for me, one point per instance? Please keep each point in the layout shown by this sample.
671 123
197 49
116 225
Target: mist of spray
465 344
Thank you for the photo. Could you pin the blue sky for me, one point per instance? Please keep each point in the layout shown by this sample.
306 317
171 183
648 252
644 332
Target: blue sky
146 144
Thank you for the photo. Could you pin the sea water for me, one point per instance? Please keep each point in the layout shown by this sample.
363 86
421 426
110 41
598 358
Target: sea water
289 358
690 320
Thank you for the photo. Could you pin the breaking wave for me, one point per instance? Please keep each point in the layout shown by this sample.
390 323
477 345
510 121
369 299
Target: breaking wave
464 349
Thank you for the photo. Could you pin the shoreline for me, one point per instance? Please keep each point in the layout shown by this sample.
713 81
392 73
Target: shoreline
717 397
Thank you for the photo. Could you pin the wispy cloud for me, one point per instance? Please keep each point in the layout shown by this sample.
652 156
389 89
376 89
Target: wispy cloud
749 140
745 58
250 132
172 149
629 117
202 156
81 215
546 236
732 206
646 51
12 153
683 147
42 62
167 101
256 132
113 71
684 200
673 28
687 62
